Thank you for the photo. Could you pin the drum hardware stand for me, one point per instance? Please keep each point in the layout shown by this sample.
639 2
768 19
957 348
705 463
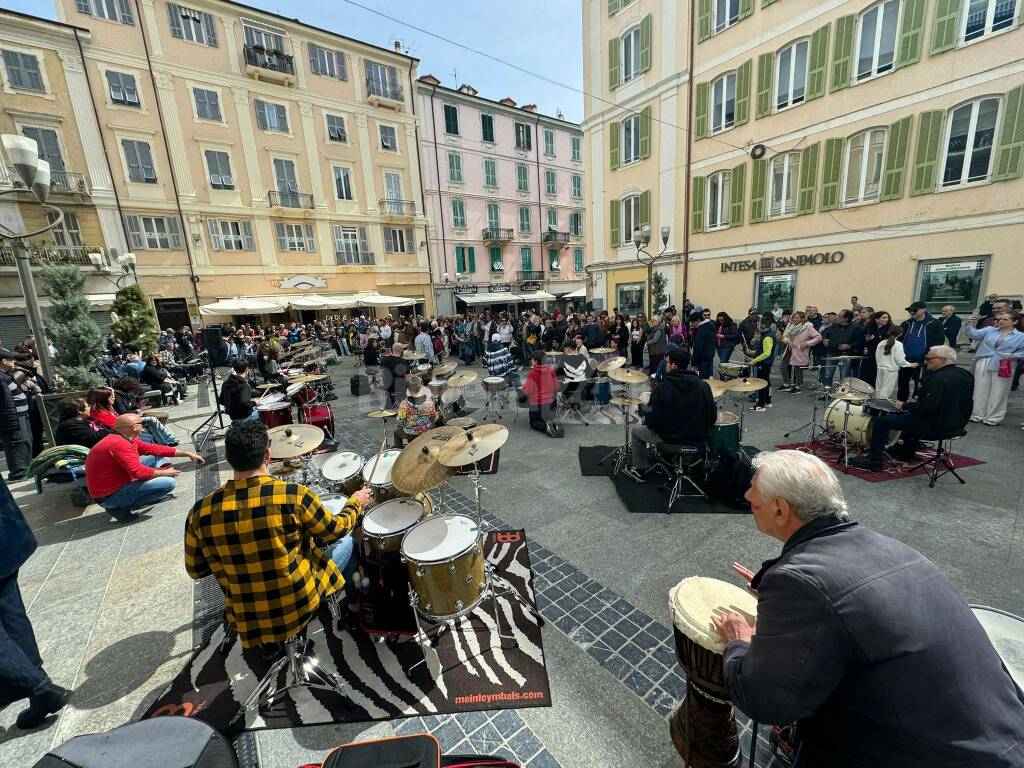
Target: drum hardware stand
623 452
814 425
207 427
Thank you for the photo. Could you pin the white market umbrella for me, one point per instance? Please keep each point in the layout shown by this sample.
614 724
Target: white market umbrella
241 306
380 300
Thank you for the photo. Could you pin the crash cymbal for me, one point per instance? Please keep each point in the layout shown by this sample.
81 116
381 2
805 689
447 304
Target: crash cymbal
291 440
316 361
601 351
628 376
445 368
745 385
267 386
382 414
412 354
611 363
627 401
473 444
718 388
308 378
462 378
451 395
417 469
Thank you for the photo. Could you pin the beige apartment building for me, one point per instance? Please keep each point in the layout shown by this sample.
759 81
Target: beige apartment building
254 155
844 148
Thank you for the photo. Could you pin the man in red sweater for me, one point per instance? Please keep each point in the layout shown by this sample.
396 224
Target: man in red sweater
540 388
124 473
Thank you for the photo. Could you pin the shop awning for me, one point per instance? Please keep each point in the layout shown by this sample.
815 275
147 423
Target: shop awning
381 300
488 298
318 301
579 293
242 306
535 296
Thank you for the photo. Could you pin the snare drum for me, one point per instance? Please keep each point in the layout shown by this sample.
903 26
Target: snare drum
343 472
495 384
271 398
424 371
878 406
725 438
854 390
385 524
849 415
334 503
275 414
727 371
300 393
436 387
380 484
703 728
445 557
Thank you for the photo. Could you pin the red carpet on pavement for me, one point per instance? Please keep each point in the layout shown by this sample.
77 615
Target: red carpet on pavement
833 456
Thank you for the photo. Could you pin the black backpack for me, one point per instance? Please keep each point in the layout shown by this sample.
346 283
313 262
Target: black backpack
730 476
416 751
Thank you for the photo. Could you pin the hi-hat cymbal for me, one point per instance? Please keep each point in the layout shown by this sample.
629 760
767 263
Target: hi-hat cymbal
611 363
473 445
745 385
417 469
718 388
462 378
444 368
627 401
382 414
412 354
628 376
601 351
291 440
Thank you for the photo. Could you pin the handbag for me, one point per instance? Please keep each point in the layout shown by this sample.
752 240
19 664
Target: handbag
1005 369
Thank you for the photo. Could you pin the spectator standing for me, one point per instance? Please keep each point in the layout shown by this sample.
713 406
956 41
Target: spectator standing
998 347
950 324
921 332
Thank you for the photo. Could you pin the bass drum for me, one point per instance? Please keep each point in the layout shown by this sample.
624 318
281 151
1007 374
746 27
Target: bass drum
858 425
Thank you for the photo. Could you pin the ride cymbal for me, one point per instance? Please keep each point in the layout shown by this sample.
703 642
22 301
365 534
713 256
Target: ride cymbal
612 363
382 414
417 469
628 376
745 385
626 401
601 351
444 368
718 388
462 378
291 440
473 445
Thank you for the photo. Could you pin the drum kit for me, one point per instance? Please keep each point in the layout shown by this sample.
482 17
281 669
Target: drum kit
629 397
308 388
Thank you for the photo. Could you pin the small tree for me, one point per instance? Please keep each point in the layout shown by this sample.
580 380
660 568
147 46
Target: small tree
136 322
659 299
78 339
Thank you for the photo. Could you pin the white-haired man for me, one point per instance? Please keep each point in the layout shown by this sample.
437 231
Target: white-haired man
862 640
943 407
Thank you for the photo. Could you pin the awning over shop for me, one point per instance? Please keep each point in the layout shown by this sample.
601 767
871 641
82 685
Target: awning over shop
579 293
536 296
242 306
381 300
488 298
317 301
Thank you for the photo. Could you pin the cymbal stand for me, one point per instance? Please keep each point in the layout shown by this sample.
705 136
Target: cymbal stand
474 478
387 435
817 429
622 453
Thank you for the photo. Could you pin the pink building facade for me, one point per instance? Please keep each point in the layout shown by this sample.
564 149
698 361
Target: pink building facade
504 188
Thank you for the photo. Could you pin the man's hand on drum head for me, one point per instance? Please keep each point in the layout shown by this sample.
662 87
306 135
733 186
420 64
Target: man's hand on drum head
746 574
733 626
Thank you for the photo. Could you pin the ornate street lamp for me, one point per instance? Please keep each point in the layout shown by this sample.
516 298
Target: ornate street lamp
127 263
641 239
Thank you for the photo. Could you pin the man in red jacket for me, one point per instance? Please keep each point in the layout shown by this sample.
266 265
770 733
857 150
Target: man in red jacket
540 389
123 473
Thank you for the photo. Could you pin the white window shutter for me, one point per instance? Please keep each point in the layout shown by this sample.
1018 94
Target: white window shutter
310 239
410 244
339 58
135 237
364 243
210 27
174 233
282 239
214 226
248 243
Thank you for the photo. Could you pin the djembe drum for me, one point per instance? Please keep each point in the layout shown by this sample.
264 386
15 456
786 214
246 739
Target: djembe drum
703 728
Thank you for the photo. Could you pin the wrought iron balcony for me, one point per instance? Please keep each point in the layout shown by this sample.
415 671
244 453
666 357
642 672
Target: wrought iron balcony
265 58
354 257
65 182
555 237
289 199
51 255
405 208
382 90
531 275
497 234
555 269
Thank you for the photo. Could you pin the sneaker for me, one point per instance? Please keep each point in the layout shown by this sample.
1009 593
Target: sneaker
122 514
50 698
991 423
865 463
975 419
793 390
635 474
759 408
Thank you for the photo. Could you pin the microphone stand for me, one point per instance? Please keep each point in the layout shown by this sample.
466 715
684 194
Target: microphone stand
217 415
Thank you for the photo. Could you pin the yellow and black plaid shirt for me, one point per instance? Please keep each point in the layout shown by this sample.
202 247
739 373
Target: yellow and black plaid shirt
256 537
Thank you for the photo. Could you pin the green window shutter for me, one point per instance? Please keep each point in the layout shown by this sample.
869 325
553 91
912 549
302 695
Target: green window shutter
697 205
817 63
766 3
645 43
926 152
613 6
842 51
758 179
472 258
614 131
613 217
765 81
808 179
946 27
460 259
746 8
742 113
908 46
704 20
737 192
895 168
645 132
701 111
831 174
613 63
1010 150
645 208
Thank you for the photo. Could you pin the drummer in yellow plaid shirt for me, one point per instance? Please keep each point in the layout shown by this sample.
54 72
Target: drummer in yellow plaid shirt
261 539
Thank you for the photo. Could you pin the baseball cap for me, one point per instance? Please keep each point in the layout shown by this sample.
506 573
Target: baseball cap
916 306
6 355
495 337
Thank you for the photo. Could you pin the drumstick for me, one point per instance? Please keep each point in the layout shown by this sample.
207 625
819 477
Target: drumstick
376 459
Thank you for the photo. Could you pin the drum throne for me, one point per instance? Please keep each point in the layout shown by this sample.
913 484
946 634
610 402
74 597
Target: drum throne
679 462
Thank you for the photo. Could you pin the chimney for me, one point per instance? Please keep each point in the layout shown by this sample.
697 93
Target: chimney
467 89
429 79
508 101
529 107
398 46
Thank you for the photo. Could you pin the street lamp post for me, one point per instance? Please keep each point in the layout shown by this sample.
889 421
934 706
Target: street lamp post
127 263
641 239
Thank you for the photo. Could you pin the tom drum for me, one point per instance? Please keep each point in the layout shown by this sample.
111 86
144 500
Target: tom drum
445 558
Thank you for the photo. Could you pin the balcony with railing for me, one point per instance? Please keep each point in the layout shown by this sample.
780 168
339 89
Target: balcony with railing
61 182
382 93
354 256
51 255
267 64
398 208
531 275
555 238
289 199
497 235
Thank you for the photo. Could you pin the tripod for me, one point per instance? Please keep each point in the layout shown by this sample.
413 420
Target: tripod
623 452
207 427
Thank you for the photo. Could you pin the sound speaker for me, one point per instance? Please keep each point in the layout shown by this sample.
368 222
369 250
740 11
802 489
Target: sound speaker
213 343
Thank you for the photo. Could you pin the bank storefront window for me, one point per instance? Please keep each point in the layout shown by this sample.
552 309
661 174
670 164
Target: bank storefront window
775 287
958 282
631 298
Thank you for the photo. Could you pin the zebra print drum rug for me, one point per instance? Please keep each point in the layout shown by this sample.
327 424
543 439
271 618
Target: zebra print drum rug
467 671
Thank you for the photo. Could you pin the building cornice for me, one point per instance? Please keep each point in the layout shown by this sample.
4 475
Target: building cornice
489 105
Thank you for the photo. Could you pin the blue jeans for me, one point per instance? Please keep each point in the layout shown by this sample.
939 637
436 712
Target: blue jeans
342 553
254 416
139 493
163 435
843 367
513 379
21 668
725 352
704 370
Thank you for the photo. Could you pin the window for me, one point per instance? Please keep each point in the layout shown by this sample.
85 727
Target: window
577 148
957 282
864 154
631 139
382 81
497 260
286 181
295 238
576 224
970 132
112 10
351 245
983 17
630 298
550 182
552 220
388 138
270 42
876 43
522 179
342 183
524 138
783 176
49 145
23 71
487 128
139 159
68 234
718 200
336 128
490 173
465 258
455 167
218 164
629 59
393 188
271 117
122 89
153 233
629 217
493 216
553 264
459 213
524 219
194 26
791 75
398 240
577 186
577 259
526 259
549 143
207 104
231 235
451 119
727 13
327 63
723 102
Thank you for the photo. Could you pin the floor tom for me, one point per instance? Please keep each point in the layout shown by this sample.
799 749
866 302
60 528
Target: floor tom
275 414
725 437
445 558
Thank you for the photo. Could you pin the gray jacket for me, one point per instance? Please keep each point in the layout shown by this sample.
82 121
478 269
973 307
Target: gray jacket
658 342
862 640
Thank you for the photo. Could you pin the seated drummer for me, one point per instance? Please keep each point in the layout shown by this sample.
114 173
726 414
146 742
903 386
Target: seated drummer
574 369
235 394
499 361
681 412
394 370
258 536
861 640
417 413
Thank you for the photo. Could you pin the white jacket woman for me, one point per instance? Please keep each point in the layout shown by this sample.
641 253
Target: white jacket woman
889 357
